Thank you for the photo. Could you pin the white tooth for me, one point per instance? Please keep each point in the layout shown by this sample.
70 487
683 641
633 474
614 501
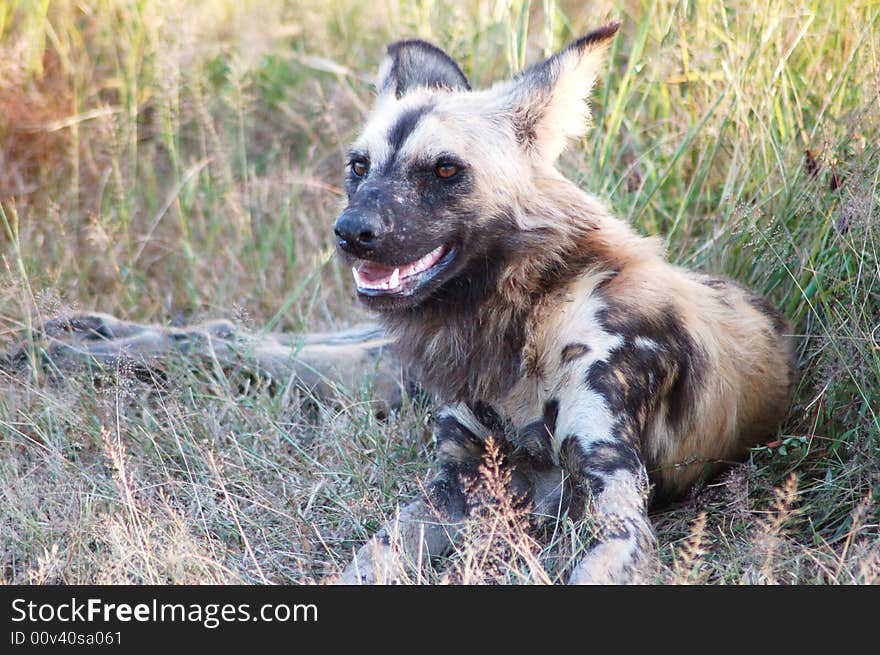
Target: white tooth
395 279
357 278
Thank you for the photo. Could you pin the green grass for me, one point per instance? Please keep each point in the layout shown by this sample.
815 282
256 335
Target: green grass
173 163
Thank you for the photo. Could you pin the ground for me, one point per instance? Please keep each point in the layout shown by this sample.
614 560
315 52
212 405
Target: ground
172 163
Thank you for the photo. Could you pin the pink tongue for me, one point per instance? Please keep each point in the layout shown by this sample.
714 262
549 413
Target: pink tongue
374 272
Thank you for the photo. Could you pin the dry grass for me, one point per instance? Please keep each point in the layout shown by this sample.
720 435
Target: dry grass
170 161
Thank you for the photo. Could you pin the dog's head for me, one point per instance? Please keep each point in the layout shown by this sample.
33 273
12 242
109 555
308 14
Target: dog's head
438 178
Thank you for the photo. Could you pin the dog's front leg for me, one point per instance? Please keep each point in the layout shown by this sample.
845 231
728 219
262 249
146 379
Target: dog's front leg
423 529
601 454
428 526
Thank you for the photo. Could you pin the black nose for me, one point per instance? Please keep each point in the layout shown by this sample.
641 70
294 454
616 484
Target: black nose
359 231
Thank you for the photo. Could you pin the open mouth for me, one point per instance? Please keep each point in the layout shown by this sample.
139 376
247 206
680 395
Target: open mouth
374 279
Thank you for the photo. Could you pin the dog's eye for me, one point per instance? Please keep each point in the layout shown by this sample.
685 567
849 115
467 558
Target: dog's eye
360 167
446 170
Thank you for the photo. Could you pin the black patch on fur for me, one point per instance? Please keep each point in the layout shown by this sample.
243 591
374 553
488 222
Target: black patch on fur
401 130
456 444
419 64
490 419
449 427
596 462
609 457
601 378
574 351
551 413
673 370
536 439
446 494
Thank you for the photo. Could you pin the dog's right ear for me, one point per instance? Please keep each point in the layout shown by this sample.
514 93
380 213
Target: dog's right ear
413 64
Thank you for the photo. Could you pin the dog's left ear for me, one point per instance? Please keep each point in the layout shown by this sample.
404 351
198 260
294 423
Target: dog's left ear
413 64
548 102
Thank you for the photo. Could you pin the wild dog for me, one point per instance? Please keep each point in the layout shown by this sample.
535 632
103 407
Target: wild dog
537 317
531 313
